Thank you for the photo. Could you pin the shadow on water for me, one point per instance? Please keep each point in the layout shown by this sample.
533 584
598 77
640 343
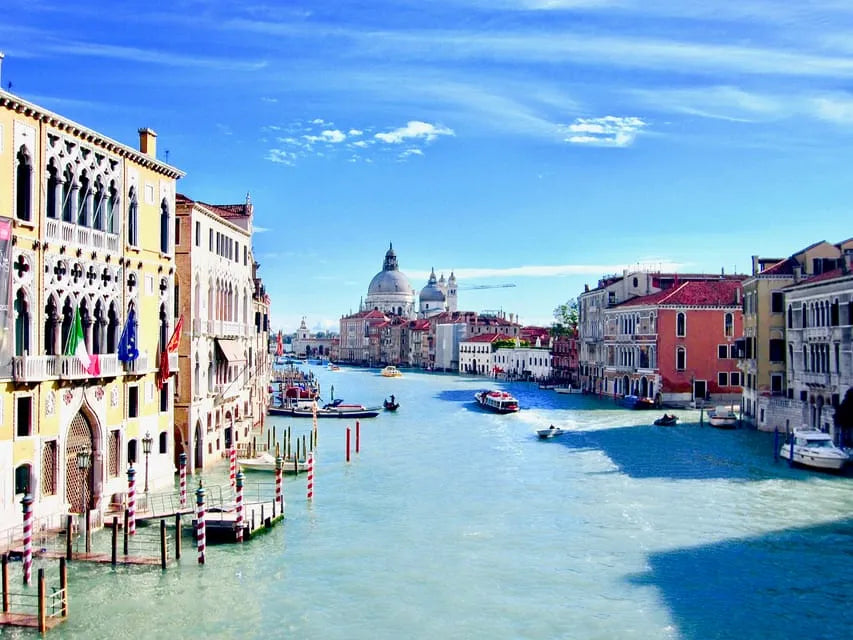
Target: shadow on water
798 580
688 452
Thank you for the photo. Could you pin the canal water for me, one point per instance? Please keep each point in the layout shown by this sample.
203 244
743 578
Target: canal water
456 523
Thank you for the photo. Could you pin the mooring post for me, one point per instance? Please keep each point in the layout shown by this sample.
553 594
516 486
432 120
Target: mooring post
63 587
88 519
239 501
69 533
262 513
162 543
702 414
42 621
27 504
348 430
278 497
269 443
310 477
126 531
232 464
776 444
4 582
791 450
114 556
178 536
131 501
357 436
182 465
199 522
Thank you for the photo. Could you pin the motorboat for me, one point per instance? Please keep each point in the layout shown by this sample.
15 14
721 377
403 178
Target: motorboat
391 372
667 420
497 401
550 432
333 367
567 389
637 402
722 418
813 448
265 461
390 405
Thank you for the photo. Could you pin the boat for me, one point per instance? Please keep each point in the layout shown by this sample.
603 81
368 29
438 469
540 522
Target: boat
813 448
567 389
391 372
722 418
390 405
550 432
497 401
333 367
266 462
547 386
636 402
336 409
667 420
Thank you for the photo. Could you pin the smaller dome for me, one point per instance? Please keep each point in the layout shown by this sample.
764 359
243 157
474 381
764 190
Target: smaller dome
432 291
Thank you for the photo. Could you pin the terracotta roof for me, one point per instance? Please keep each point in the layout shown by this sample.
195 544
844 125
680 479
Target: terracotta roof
827 275
488 337
226 211
693 293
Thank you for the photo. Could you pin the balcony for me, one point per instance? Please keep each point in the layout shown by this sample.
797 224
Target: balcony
70 367
816 333
198 323
815 379
173 362
137 367
83 237
34 368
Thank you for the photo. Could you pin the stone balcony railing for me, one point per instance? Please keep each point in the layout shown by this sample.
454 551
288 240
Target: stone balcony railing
820 379
138 367
816 333
34 368
83 237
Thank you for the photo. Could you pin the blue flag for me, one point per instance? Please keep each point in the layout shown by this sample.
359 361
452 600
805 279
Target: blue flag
127 351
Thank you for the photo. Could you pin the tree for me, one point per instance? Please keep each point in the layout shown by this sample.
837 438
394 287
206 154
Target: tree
566 316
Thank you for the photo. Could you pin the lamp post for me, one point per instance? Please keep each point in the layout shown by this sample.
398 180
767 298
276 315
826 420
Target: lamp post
84 460
146 449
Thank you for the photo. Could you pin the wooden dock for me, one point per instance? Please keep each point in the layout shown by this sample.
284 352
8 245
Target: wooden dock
101 558
221 526
29 621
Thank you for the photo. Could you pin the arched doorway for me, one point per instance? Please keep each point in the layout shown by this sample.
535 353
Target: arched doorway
644 388
79 438
626 385
199 447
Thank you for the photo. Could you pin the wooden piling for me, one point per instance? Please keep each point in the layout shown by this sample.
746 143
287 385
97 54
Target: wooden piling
163 543
269 444
177 536
348 430
69 533
126 531
262 512
63 586
42 620
114 556
4 581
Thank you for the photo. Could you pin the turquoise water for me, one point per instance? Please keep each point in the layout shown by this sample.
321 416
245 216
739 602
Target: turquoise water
455 523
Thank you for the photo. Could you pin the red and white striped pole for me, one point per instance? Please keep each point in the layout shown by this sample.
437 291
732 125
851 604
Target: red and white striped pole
310 476
239 501
232 470
27 503
200 522
131 500
182 466
279 498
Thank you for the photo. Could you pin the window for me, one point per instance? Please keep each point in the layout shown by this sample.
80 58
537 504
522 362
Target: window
23 186
197 233
776 384
133 401
22 479
52 207
113 459
777 350
777 302
131 451
680 358
211 240
164 226
132 218
24 416
22 324
723 379
680 325
48 468
728 325
722 351
734 378
164 397
790 317
164 442
177 231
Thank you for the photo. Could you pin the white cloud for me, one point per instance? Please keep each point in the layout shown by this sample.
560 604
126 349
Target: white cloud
414 129
410 152
281 156
608 131
257 229
272 100
355 132
837 109
360 143
549 271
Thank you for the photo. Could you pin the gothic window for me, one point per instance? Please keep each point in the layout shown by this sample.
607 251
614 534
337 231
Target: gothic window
111 207
22 479
23 186
112 329
729 325
22 324
97 214
68 195
52 204
99 329
67 319
680 358
51 324
680 325
83 218
164 227
132 218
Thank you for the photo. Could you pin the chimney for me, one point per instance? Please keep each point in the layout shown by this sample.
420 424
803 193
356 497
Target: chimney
798 273
755 265
148 142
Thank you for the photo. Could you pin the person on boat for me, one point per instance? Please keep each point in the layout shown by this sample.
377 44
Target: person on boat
392 398
552 427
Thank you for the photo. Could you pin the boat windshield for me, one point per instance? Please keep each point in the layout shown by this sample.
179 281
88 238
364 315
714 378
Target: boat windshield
818 443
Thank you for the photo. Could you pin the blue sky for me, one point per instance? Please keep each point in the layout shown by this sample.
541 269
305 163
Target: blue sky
534 142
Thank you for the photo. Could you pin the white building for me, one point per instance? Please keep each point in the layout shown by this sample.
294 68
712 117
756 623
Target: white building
389 291
523 363
476 353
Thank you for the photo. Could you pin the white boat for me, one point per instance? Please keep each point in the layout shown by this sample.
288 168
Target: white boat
497 401
813 448
391 372
722 418
567 389
550 432
266 462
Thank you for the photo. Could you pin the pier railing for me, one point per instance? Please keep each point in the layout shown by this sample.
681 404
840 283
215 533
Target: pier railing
45 528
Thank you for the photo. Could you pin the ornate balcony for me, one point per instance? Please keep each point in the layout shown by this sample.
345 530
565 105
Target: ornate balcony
34 368
137 367
70 367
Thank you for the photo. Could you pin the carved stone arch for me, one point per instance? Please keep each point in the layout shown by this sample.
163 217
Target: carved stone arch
82 430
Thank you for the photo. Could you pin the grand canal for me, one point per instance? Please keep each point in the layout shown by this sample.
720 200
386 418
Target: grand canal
454 523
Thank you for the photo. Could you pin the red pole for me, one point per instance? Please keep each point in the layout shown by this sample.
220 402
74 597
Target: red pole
357 436
27 503
232 456
348 430
199 522
239 480
279 498
131 501
182 464
311 476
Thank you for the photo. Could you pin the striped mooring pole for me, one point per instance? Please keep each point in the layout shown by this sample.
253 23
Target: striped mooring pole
182 465
279 498
232 470
239 501
27 503
131 500
199 522
310 476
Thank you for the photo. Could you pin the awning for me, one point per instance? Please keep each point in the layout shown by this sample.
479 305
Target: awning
230 350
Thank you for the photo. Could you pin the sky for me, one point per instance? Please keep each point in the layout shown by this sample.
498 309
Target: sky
534 143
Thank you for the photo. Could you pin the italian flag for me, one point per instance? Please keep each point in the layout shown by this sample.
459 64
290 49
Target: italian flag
77 347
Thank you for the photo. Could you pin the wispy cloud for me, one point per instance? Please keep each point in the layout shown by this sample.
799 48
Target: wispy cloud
414 129
548 271
607 131
257 229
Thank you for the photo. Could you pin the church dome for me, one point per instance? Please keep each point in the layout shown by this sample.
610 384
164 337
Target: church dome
390 289
432 291
388 282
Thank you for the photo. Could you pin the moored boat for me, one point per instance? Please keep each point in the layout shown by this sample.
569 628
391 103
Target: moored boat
567 389
391 372
722 418
813 448
497 401
266 462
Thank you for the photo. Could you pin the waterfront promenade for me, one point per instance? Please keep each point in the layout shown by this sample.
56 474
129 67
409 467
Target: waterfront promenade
456 523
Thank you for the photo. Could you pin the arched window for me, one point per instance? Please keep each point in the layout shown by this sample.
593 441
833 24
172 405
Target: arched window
132 218
23 186
680 358
68 195
112 328
164 226
51 324
729 325
99 205
805 319
164 442
22 324
83 214
111 207
67 319
52 195
197 377
680 325
790 317
23 479
99 329
131 451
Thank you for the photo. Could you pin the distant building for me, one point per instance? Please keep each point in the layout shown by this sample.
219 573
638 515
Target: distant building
311 345
522 363
564 359
476 354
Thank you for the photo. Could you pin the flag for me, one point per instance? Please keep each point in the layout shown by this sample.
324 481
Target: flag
127 351
175 340
171 347
76 346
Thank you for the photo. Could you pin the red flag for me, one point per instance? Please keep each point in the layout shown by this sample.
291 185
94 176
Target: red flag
172 346
164 369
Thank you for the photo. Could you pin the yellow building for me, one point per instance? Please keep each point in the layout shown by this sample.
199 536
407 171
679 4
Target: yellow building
766 397
92 235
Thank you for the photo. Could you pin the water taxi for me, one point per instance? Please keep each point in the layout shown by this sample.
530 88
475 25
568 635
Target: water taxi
266 462
722 418
497 401
813 448
391 372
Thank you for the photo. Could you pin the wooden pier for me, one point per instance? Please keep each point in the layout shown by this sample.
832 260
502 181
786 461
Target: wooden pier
49 609
257 519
